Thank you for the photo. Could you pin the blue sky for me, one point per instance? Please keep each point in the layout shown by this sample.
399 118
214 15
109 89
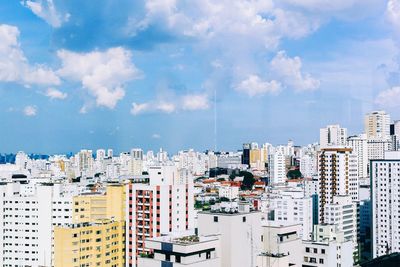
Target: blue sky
192 74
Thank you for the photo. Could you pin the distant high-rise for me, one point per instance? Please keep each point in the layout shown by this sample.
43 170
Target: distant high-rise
332 135
137 153
246 154
109 153
377 125
100 154
277 168
360 145
395 135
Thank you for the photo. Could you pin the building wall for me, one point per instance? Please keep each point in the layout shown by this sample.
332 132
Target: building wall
90 244
385 187
27 223
240 235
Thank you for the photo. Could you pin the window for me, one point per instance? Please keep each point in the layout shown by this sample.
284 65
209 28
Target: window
244 218
321 261
215 218
177 258
322 251
307 249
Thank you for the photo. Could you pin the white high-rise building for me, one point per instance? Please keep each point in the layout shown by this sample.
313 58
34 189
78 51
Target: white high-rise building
360 146
84 162
27 219
136 162
277 167
21 160
332 135
377 125
288 206
385 199
337 175
100 154
110 153
308 164
342 211
377 148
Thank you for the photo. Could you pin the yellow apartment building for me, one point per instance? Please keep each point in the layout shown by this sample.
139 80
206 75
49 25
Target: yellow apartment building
97 235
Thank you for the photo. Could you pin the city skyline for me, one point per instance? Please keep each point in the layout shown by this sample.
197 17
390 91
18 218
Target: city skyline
155 74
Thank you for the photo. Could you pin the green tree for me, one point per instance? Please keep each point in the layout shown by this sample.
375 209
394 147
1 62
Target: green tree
248 180
294 174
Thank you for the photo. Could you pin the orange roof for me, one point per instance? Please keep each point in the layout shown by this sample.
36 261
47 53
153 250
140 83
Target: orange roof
295 180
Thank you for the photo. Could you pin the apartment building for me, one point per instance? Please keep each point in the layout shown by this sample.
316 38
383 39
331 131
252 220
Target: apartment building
377 125
96 235
27 219
385 198
342 211
161 203
332 135
337 175
327 248
289 206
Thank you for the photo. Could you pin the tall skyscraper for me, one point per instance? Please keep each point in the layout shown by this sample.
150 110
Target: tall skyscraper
359 144
385 198
377 124
337 175
246 154
277 168
332 135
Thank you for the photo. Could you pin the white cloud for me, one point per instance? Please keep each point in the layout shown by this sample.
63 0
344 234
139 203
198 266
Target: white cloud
165 107
156 136
14 66
393 12
150 107
102 73
289 72
255 86
140 108
30 111
189 102
55 94
46 10
226 23
389 98
195 102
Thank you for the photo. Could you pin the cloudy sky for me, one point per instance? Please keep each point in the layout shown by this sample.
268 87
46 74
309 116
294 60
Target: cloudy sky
192 73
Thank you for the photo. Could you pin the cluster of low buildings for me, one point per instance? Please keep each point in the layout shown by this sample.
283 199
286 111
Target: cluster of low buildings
332 203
